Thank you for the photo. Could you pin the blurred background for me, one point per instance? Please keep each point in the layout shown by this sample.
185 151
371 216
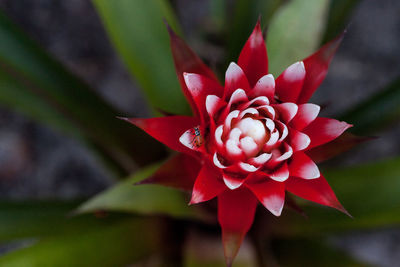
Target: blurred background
39 162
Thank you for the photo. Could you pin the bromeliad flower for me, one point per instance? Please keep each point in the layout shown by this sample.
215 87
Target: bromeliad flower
250 140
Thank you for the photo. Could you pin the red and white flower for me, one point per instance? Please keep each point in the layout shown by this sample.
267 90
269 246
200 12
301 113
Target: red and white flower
250 140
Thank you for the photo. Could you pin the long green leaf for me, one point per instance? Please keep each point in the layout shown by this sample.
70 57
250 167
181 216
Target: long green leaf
40 219
217 14
142 199
37 85
14 95
306 252
115 244
377 112
34 219
138 33
370 192
295 32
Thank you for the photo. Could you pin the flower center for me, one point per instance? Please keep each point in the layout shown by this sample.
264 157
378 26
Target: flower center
254 129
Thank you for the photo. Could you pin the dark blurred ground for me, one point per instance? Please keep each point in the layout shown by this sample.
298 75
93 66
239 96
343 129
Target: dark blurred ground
38 162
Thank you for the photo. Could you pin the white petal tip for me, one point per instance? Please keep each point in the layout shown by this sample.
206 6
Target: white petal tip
268 80
186 139
231 184
276 213
212 102
187 78
197 197
217 162
295 72
270 76
279 178
274 204
233 71
247 167
316 174
233 65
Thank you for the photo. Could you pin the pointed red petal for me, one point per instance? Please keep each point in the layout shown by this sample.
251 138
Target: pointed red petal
167 130
236 211
341 144
290 82
235 79
317 67
253 58
187 61
232 182
306 113
316 190
200 87
179 171
298 140
287 111
265 86
302 166
281 174
213 105
271 194
324 130
208 184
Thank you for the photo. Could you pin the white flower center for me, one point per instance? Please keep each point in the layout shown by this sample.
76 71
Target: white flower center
254 129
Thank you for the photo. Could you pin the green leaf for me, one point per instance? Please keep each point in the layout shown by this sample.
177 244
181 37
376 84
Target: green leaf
138 33
217 14
14 95
142 199
295 32
339 13
33 219
39 219
370 192
377 112
115 244
305 252
40 87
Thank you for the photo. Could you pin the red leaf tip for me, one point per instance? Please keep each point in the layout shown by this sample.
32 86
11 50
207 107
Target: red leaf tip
232 242
342 209
196 198
171 32
145 181
123 118
259 21
332 46
135 121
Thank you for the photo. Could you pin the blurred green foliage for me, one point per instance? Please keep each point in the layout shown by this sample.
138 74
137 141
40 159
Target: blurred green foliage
112 244
142 199
137 30
35 84
377 112
295 32
376 184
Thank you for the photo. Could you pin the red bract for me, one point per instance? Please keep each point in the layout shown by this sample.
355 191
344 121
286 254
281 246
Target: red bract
250 140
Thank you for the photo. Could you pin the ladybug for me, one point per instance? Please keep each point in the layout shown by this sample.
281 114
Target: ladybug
197 140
